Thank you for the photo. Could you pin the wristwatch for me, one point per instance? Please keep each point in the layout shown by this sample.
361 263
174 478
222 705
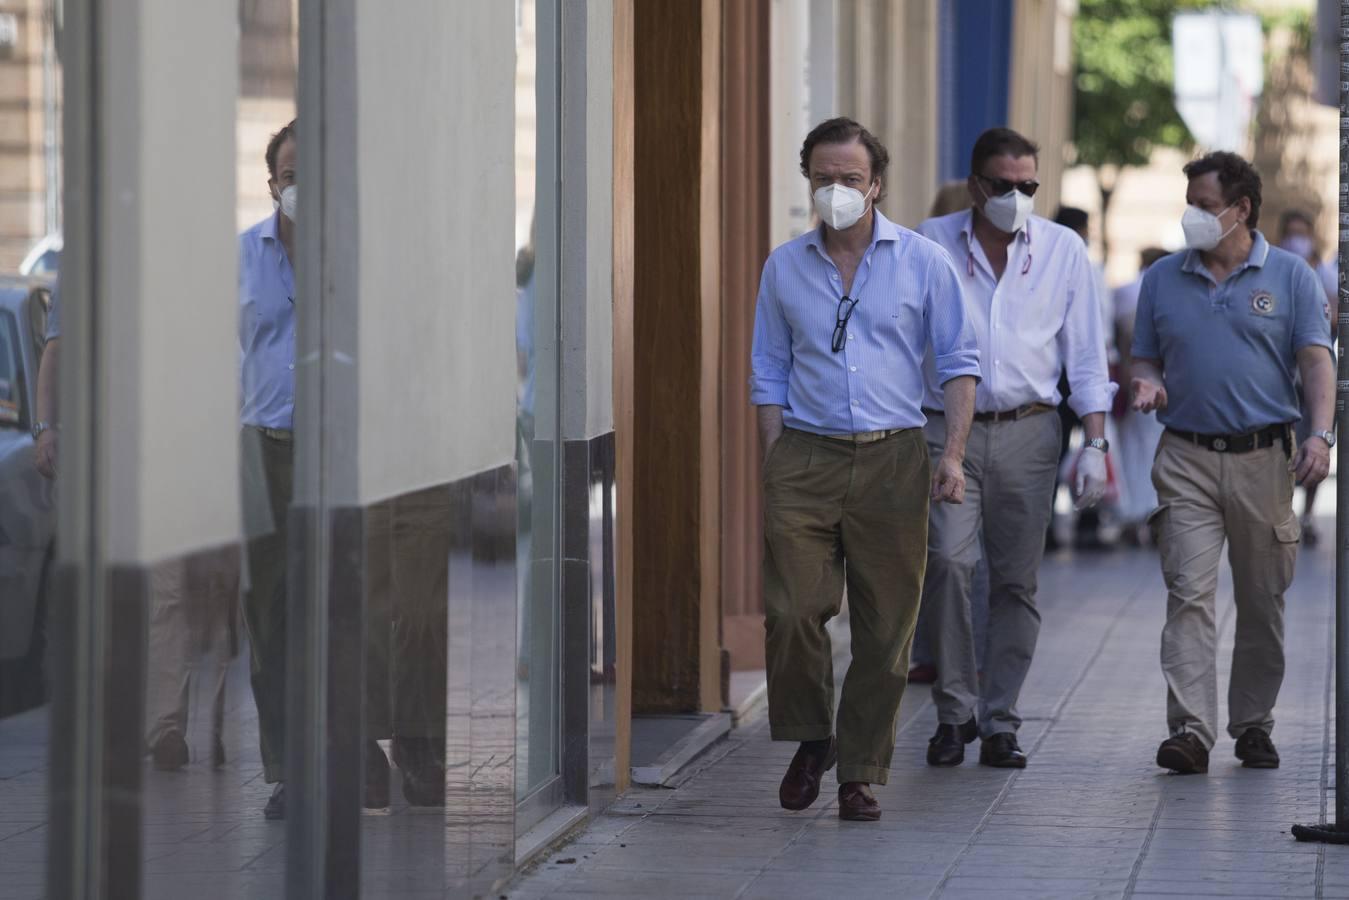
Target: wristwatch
40 427
1327 436
1098 444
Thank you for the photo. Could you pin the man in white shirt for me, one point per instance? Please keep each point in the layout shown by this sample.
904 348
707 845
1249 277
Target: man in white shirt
1031 297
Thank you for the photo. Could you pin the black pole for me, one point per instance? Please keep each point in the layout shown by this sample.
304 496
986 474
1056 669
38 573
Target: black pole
1337 832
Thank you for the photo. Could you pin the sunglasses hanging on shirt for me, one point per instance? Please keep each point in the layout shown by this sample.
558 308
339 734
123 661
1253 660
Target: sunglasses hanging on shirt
841 322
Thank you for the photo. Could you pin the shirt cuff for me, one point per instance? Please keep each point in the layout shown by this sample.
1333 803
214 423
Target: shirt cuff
767 391
1093 399
954 365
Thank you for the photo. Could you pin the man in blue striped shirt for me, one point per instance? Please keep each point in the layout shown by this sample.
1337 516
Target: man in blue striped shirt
846 315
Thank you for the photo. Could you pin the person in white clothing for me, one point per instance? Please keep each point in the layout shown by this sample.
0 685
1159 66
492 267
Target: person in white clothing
1138 432
1031 297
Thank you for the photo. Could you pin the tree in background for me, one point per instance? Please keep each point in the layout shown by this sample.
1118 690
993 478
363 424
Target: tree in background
1123 104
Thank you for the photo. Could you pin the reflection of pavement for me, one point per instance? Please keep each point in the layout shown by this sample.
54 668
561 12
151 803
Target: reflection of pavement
204 837
1090 817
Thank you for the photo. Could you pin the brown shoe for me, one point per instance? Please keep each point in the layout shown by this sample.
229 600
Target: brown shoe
801 785
856 803
1183 754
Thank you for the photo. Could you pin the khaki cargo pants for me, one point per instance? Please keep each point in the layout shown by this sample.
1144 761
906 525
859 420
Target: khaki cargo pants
1205 499
837 512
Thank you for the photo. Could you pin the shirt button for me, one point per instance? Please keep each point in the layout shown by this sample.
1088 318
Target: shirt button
997 362
853 369
833 278
850 335
291 367
854 403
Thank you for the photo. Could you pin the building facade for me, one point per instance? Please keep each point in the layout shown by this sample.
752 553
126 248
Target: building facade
525 503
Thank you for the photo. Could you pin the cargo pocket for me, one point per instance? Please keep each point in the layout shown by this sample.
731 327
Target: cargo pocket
1283 559
1289 531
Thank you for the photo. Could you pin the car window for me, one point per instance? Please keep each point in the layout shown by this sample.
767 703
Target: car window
11 375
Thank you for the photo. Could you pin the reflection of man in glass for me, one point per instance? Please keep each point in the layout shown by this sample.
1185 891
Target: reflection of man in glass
267 358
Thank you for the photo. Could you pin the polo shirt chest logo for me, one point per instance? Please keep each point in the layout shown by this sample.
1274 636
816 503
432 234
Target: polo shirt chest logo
1262 303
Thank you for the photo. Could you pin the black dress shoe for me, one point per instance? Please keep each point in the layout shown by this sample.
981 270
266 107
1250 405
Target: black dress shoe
801 785
1256 750
947 747
856 803
276 804
1183 754
1001 751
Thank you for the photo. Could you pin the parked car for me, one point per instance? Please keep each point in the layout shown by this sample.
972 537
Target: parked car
27 509
45 256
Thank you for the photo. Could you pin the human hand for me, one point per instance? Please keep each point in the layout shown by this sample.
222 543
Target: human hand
44 453
1091 477
1312 463
1148 395
948 480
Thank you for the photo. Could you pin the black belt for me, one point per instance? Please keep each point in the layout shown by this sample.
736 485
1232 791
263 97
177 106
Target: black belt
1010 415
1240 443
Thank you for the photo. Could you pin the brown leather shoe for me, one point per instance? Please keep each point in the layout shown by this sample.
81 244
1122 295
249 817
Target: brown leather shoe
801 785
856 803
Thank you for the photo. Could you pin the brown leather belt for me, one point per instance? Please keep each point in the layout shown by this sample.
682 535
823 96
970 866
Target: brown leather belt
1239 443
1010 415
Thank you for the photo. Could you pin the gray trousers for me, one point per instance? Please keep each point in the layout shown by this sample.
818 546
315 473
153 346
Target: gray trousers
1010 470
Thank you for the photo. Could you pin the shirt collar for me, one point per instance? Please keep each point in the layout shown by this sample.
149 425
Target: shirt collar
271 227
882 229
1194 264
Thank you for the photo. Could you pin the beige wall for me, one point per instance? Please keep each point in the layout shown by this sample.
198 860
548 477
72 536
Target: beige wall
437 218
167 283
1039 101
887 61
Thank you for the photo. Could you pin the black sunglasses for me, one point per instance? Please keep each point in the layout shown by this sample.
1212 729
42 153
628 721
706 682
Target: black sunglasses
1003 186
841 322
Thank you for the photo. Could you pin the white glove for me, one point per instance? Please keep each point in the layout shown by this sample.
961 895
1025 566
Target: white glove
1091 477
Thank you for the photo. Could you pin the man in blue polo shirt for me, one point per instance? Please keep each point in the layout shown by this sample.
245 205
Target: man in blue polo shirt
1222 331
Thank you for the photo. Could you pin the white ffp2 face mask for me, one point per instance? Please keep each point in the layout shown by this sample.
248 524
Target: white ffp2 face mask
1203 230
1008 212
840 206
287 203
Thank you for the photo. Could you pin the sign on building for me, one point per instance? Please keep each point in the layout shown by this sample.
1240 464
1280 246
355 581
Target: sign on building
1219 73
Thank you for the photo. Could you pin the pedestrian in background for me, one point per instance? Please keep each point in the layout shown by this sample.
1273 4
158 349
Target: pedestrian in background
1223 331
1297 235
1139 432
845 315
1031 297
1087 524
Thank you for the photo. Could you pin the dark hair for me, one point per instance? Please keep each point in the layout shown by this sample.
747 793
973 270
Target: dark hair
1001 142
274 145
1150 255
1072 217
1296 215
844 131
1237 177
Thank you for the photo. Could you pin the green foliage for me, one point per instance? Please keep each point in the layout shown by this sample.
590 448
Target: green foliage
1123 104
